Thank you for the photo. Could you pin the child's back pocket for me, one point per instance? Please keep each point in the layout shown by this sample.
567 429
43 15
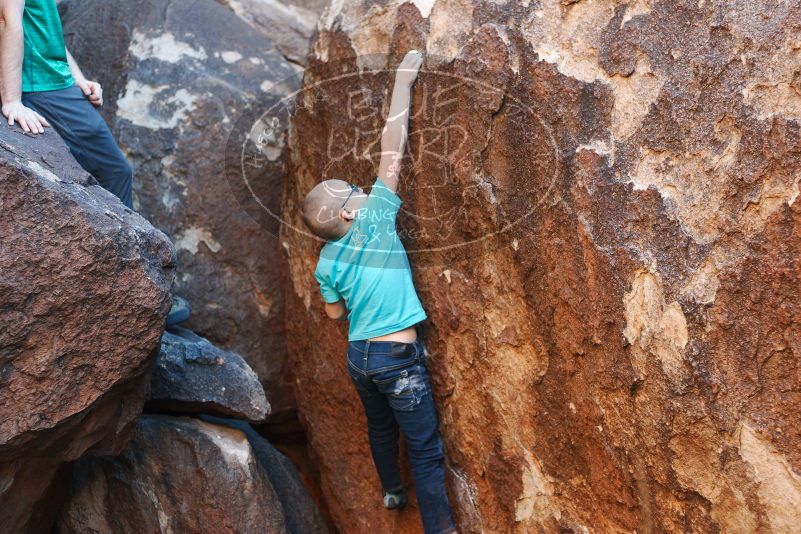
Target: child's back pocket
404 388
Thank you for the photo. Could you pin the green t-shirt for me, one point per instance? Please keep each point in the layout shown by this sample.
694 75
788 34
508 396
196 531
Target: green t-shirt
44 66
369 269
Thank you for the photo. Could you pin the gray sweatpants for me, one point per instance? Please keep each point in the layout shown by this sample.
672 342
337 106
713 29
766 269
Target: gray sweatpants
87 135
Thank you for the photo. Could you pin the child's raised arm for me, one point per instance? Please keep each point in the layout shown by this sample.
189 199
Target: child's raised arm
393 137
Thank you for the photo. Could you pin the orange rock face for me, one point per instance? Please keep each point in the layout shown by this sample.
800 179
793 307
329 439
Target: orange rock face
600 207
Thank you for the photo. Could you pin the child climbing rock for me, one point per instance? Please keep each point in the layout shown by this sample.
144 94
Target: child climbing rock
364 274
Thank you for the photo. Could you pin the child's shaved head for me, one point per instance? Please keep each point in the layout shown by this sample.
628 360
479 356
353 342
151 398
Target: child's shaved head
321 209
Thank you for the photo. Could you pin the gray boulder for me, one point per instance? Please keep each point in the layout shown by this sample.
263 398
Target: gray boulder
183 81
179 475
301 514
192 375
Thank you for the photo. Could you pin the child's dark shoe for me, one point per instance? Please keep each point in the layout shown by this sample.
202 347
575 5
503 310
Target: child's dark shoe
395 500
179 312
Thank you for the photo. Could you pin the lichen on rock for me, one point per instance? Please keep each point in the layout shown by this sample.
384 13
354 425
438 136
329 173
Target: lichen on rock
184 80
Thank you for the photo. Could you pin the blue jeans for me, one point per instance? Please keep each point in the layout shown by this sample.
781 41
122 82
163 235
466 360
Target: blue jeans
392 381
86 134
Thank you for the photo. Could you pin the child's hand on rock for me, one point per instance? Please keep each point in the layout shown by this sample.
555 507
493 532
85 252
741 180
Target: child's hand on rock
408 68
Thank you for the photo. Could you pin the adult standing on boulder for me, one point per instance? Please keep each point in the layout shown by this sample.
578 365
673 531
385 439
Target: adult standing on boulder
41 85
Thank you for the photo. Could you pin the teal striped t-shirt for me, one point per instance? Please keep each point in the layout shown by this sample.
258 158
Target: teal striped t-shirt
369 269
44 63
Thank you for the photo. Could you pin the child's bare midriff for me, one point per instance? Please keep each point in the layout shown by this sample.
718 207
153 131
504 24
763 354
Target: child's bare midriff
407 335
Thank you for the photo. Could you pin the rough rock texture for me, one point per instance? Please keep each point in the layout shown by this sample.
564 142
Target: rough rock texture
192 375
84 291
179 474
300 512
601 211
183 81
289 25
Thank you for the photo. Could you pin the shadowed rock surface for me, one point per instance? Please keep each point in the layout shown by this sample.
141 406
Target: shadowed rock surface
300 512
183 81
600 204
178 474
192 375
84 288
